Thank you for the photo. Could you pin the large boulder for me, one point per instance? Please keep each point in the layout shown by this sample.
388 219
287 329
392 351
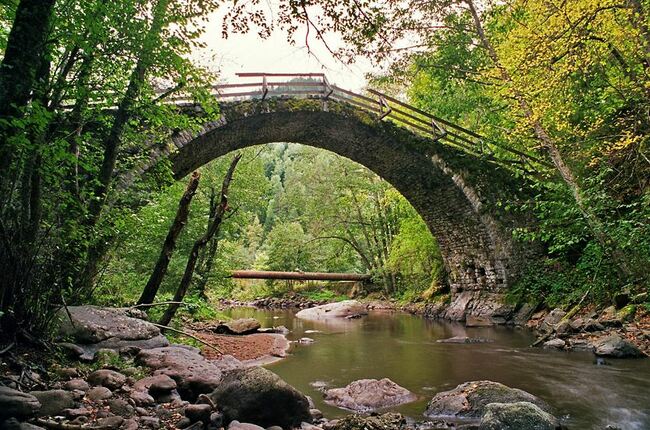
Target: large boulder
344 309
387 421
517 416
470 399
617 347
239 326
53 402
92 328
367 395
258 396
14 403
193 373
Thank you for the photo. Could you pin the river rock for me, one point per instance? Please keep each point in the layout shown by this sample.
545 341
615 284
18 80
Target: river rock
469 400
94 328
236 425
239 326
464 339
14 403
555 344
615 346
199 412
387 421
342 309
259 396
53 402
517 416
99 393
193 373
76 384
107 378
367 395
551 320
92 324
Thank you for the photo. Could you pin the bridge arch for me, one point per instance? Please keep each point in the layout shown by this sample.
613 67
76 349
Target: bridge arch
455 193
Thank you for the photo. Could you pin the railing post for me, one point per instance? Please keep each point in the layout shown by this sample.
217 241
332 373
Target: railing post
265 87
383 104
327 92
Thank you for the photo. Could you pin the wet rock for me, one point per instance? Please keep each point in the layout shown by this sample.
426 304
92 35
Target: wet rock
14 403
516 416
107 378
615 346
53 402
333 310
193 373
367 395
464 339
523 314
563 328
200 412
245 395
469 400
99 393
388 421
316 413
306 340
236 425
239 326
121 407
76 384
478 321
554 344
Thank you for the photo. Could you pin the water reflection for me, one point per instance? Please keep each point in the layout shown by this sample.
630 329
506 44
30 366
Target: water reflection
404 348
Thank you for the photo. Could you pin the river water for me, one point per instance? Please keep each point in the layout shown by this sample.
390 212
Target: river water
403 347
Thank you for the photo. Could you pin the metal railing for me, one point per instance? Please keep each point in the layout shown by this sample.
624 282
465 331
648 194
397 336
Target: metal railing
316 85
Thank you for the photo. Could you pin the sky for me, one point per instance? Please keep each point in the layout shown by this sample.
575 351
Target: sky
250 53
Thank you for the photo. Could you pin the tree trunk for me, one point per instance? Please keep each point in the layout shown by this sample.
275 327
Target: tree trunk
159 271
548 143
23 55
213 229
123 114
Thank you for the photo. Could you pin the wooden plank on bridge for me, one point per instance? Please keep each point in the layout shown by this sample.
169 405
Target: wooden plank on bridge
299 276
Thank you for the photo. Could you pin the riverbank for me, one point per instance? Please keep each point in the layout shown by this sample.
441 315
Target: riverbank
628 328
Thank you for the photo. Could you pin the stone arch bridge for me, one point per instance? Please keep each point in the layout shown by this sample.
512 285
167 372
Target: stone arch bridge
440 168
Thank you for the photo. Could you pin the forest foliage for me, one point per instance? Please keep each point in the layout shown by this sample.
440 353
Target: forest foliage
83 87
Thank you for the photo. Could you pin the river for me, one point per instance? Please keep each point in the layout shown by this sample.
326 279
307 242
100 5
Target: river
403 347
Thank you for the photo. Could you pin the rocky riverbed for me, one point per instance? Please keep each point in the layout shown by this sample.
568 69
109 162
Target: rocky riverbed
124 374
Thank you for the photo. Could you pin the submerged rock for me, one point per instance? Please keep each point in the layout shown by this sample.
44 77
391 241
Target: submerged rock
367 395
464 339
342 309
517 416
617 347
470 399
258 396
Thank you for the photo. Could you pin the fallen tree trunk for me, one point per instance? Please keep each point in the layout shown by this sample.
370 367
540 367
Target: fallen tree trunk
300 276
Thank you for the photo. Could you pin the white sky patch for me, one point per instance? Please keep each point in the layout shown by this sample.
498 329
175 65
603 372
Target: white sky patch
250 53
